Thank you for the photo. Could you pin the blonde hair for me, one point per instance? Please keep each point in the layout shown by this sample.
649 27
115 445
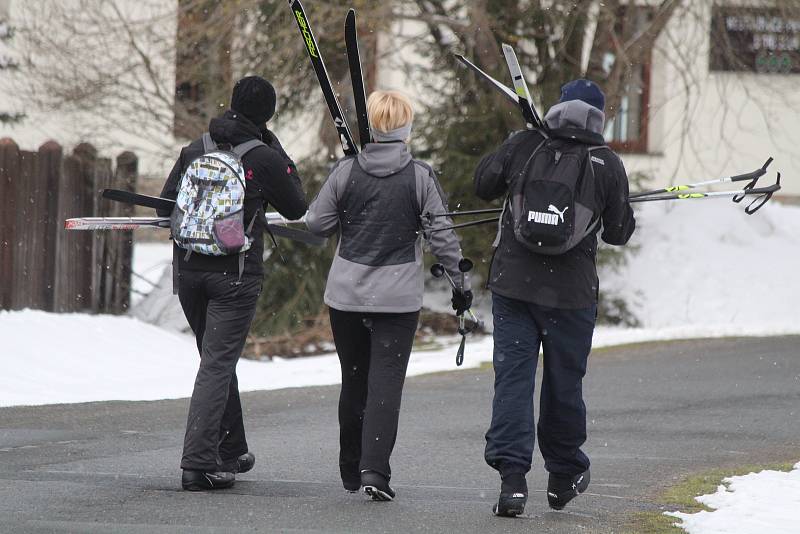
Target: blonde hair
389 110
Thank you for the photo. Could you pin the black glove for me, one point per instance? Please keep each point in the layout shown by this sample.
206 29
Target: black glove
462 300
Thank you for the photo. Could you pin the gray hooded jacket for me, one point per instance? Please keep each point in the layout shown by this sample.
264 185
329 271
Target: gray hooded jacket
375 202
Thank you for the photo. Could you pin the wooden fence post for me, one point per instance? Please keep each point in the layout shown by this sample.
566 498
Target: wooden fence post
122 245
9 170
50 156
74 264
102 283
28 269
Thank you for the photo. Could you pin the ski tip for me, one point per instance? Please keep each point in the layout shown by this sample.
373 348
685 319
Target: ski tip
507 46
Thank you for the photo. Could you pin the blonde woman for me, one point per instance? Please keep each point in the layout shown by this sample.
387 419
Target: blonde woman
374 201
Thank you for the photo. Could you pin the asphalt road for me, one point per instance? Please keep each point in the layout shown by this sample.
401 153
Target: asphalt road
656 412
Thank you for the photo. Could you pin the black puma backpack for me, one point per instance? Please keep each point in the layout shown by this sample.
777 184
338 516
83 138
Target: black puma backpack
552 199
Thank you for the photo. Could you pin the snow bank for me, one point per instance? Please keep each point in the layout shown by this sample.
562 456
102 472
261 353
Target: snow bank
707 265
149 262
60 358
751 504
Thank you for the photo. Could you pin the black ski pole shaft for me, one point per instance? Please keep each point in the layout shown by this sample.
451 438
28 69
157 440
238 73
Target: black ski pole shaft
464 225
764 194
750 176
431 216
709 194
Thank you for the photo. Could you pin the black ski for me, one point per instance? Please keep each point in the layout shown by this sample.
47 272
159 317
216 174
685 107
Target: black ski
357 77
128 197
314 54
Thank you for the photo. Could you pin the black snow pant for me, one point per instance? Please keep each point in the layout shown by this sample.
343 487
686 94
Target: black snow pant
373 349
219 312
566 335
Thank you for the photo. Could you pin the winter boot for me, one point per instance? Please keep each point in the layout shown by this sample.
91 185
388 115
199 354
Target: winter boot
351 477
513 495
376 486
200 481
245 462
561 489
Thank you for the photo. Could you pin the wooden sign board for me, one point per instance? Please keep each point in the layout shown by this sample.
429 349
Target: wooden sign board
759 40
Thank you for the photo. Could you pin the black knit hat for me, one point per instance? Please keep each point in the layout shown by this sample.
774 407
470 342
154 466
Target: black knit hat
254 97
584 90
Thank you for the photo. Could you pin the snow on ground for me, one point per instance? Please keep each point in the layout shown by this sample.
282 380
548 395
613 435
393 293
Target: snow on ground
86 358
101 357
751 504
149 260
706 264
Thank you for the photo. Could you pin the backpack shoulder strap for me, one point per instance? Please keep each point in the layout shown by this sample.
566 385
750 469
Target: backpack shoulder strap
524 169
208 143
247 146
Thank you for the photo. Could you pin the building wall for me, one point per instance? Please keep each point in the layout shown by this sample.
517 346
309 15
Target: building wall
110 125
705 124
702 124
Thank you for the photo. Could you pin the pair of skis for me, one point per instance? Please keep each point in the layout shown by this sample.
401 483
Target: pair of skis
276 223
356 76
520 96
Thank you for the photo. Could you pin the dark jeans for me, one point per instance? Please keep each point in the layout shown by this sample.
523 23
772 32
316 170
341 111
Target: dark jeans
373 349
219 312
519 329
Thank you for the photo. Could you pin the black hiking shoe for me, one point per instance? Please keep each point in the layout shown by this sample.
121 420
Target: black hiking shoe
352 486
351 477
561 489
200 481
376 486
245 462
513 496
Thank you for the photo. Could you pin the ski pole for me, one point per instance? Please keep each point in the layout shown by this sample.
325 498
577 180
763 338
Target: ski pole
764 195
751 176
464 266
464 225
432 216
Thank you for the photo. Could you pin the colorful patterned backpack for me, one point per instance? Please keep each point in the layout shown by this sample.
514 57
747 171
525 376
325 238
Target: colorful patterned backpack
209 211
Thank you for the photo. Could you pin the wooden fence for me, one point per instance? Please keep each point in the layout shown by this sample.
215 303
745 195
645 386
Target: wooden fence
44 267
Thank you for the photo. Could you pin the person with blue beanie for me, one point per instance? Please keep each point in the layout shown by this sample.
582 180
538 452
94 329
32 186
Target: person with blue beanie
548 301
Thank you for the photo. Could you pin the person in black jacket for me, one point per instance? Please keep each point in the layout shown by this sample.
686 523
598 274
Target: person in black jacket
217 307
548 301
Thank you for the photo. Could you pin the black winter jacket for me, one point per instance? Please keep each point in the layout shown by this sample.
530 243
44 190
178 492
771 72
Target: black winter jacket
271 179
569 280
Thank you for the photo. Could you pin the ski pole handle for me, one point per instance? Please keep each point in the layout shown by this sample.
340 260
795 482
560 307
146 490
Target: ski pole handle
756 204
756 174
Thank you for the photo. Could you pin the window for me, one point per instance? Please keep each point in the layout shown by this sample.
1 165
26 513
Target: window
627 131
